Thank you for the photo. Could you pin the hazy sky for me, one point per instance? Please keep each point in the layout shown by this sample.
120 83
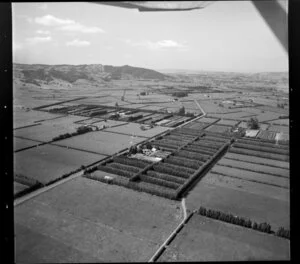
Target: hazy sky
224 36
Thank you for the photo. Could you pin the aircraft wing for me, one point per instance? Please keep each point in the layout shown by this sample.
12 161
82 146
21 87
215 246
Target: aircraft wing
274 12
144 6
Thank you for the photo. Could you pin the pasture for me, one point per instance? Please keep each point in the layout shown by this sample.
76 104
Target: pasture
20 143
258 160
102 142
205 239
252 176
47 163
88 221
247 186
135 129
259 208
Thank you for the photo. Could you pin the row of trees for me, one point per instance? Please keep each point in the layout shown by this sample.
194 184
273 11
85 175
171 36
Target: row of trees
80 130
241 221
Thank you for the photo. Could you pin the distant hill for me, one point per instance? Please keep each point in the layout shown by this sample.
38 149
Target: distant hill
45 74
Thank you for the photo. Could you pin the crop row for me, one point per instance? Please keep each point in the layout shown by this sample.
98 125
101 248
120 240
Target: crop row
260 148
123 173
120 166
207 144
132 161
168 142
137 186
259 154
191 155
262 144
166 177
256 168
258 160
266 141
241 221
158 181
183 162
171 169
196 149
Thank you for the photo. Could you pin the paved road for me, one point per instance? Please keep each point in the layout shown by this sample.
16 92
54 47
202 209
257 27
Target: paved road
196 102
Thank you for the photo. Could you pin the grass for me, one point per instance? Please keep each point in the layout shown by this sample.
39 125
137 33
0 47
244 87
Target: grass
47 163
247 186
257 168
259 154
134 129
259 208
100 142
258 160
204 239
251 176
85 221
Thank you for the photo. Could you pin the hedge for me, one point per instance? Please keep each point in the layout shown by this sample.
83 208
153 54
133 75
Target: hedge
167 142
166 168
150 179
165 177
183 162
262 148
204 152
131 161
259 154
120 166
192 155
126 174
236 220
215 139
20 178
207 144
262 144
281 232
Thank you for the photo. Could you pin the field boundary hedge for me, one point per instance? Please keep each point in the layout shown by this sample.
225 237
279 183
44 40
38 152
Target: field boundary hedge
244 222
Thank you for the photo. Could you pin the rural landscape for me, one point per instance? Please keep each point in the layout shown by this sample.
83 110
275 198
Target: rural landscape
151 132
130 164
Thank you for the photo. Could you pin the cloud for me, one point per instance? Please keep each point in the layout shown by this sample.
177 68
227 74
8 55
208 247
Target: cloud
81 28
78 43
44 32
49 20
66 24
158 45
36 40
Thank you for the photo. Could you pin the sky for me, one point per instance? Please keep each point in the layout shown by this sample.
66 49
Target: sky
224 36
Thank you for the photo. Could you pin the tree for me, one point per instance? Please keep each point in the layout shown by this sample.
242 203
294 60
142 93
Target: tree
181 111
253 123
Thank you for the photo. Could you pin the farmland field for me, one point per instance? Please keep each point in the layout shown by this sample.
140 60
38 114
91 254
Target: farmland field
259 208
207 120
204 239
46 132
256 168
247 186
20 143
46 163
22 118
135 129
251 176
283 129
227 122
87 221
19 187
106 143
258 160
218 129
